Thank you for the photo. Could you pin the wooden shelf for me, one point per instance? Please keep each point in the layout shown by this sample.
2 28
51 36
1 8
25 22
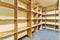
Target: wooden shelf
50 15
13 7
7 5
52 23
25 1
51 18
6 33
34 26
22 19
23 28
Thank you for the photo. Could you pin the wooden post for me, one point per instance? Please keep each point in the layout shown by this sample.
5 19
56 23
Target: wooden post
59 15
59 19
55 20
15 20
36 21
45 17
29 31
41 19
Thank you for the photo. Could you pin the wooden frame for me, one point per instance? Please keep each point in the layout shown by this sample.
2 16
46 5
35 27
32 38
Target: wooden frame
29 26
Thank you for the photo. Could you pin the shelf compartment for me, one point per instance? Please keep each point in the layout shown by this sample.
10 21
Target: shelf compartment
51 17
7 5
25 1
52 23
6 33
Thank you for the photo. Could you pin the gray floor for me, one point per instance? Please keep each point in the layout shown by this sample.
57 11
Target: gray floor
44 34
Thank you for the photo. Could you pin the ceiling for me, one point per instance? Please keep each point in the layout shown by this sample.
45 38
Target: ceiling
48 4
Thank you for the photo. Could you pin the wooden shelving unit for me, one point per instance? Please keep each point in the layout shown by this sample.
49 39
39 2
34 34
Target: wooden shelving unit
51 19
18 19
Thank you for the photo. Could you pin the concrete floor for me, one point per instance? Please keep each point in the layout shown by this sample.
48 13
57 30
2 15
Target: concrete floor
44 34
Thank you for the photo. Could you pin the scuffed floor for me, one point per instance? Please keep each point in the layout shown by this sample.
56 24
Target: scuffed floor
44 34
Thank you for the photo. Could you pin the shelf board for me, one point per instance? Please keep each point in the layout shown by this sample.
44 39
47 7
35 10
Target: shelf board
34 19
11 18
51 18
51 28
13 7
23 28
11 32
52 23
6 33
40 23
7 5
34 25
50 15
25 1
20 18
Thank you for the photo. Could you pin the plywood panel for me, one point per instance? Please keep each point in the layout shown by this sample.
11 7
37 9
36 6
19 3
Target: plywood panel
22 24
6 12
22 15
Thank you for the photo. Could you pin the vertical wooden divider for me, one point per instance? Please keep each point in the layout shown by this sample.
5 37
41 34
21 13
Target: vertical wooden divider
29 31
55 20
59 20
45 17
41 19
36 21
15 20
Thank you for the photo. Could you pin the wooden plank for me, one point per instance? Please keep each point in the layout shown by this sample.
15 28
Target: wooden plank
50 20
36 21
7 5
6 33
13 6
45 17
25 1
29 31
36 27
50 15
